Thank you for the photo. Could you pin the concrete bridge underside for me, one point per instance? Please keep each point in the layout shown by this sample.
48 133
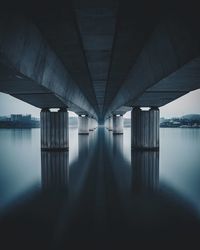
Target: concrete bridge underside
99 58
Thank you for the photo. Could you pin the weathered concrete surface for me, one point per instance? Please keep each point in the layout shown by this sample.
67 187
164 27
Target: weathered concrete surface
179 83
97 28
54 130
118 124
83 125
31 70
169 59
91 124
145 129
99 57
110 123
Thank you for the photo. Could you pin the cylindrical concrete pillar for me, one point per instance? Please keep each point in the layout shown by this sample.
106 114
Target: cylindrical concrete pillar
94 123
145 129
118 124
110 123
54 130
83 125
106 123
91 124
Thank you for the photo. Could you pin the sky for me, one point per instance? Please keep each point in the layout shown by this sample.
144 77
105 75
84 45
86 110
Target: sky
187 104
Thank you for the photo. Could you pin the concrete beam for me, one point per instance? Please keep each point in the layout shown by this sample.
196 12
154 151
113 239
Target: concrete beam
27 59
171 46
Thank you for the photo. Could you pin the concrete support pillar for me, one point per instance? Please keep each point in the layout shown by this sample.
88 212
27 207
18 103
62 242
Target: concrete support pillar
118 124
83 125
95 124
91 128
54 130
145 129
106 123
91 124
110 123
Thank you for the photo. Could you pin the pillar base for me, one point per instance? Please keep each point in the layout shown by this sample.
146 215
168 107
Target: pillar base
55 149
144 148
82 133
117 133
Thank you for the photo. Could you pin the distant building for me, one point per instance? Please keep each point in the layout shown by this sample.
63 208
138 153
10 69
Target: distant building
19 121
20 118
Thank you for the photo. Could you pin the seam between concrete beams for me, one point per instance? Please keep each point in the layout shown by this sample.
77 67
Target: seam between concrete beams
111 57
84 55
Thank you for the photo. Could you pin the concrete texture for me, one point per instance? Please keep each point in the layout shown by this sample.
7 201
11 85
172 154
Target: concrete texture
83 125
99 58
145 129
54 130
28 61
91 124
118 124
110 123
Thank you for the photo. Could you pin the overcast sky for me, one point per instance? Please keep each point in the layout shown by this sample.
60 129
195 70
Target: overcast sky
187 104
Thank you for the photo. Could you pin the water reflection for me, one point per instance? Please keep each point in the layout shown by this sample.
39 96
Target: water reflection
54 169
140 176
104 202
80 169
83 147
21 135
118 144
145 171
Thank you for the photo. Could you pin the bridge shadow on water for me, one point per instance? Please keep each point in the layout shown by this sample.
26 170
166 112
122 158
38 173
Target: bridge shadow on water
100 201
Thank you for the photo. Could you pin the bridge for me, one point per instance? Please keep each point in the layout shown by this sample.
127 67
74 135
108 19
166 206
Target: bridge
99 59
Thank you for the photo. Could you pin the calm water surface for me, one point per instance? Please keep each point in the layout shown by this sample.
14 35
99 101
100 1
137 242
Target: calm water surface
99 190
179 160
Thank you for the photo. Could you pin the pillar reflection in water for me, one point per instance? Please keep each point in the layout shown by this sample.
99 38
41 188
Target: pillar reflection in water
83 147
118 144
55 169
145 171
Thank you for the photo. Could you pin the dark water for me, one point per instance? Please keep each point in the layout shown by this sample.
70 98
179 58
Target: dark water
100 190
